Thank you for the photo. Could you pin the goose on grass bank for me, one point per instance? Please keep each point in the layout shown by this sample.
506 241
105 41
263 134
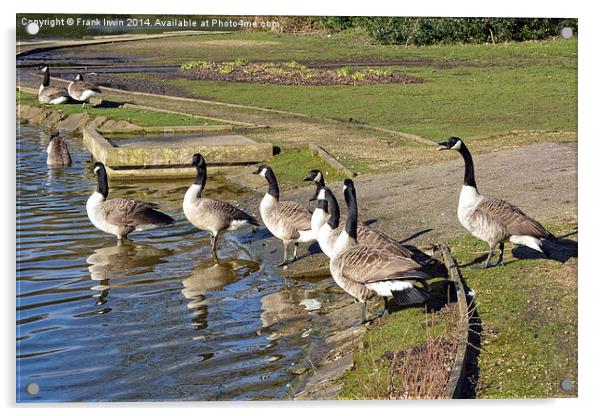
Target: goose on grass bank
289 221
49 94
58 153
121 216
363 270
493 220
81 90
212 215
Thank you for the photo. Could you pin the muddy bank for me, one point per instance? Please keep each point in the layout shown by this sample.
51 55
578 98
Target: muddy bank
291 73
50 119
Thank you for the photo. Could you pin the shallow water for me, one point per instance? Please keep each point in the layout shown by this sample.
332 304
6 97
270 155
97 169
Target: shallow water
153 318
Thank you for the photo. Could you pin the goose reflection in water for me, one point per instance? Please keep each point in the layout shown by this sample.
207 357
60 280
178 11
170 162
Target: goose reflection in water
120 261
209 277
286 312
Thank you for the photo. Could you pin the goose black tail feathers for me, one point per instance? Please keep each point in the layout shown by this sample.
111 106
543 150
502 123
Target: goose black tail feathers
411 296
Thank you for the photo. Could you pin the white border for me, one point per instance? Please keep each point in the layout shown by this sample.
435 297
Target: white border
589 188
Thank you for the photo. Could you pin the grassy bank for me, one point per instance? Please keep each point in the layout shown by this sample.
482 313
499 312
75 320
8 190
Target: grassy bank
529 314
467 90
528 310
140 117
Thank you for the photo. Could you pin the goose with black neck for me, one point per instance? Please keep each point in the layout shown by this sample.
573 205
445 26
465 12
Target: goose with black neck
493 220
289 221
363 271
212 215
120 216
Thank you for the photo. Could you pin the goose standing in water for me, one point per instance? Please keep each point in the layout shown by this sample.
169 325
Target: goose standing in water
493 220
48 94
81 90
58 153
212 215
121 216
363 270
288 221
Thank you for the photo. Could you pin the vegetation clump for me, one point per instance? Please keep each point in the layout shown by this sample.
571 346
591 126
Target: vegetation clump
290 73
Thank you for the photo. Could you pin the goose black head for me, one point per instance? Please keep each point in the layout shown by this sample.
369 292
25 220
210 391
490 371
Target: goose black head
453 143
316 176
198 160
43 68
263 170
79 77
348 184
101 177
99 169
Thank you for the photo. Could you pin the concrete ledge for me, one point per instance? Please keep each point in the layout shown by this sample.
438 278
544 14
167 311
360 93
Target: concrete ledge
173 158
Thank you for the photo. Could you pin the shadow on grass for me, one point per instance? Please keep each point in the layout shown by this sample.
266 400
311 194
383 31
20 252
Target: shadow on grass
561 250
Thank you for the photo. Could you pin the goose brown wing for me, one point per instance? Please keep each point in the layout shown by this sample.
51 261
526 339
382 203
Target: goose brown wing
371 237
514 220
55 92
83 86
294 214
364 264
229 211
121 211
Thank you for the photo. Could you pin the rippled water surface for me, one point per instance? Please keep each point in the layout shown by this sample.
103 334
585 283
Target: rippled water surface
150 319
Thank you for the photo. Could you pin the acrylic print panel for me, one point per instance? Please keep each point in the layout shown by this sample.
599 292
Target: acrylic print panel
152 265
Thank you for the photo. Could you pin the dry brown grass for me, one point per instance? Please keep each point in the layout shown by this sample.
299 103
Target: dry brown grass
422 371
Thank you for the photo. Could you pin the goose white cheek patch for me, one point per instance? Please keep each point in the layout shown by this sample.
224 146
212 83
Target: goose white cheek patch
457 145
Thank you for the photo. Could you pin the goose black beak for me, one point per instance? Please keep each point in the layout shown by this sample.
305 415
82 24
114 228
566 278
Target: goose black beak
308 178
443 146
256 172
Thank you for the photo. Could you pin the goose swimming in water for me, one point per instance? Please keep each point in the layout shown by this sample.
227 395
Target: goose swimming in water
212 215
121 216
289 221
48 94
493 220
363 270
58 153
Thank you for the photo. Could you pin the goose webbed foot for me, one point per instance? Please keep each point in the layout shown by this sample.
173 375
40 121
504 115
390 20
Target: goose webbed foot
487 262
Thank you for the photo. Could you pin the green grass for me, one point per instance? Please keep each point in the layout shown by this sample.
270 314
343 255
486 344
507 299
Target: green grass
468 90
353 44
292 165
136 116
528 310
529 314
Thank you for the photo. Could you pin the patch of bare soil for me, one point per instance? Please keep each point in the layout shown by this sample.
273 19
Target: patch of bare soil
292 73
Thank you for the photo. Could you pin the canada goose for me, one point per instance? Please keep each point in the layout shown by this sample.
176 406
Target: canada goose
288 221
210 214
48 94
121 216
363 270
58 153
318 177
490 219
330 232
81 90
